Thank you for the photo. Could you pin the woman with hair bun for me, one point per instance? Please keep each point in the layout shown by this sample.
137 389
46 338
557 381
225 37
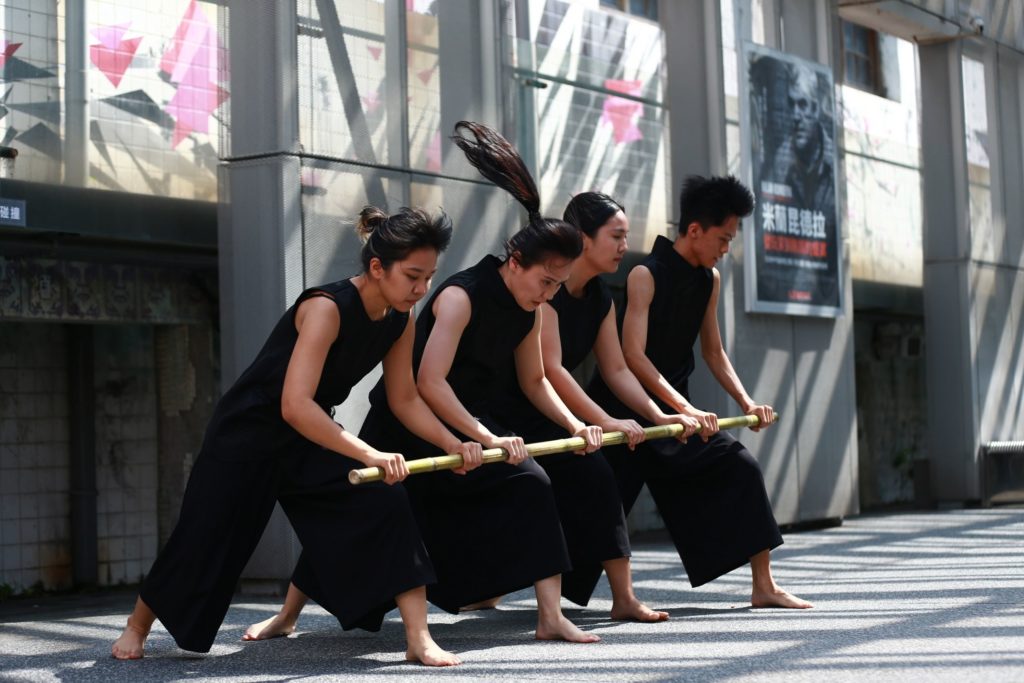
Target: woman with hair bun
272 439
496 529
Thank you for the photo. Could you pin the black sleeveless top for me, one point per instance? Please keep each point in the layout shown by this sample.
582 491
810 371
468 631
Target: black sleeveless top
247 422
486 350
681 295
579 320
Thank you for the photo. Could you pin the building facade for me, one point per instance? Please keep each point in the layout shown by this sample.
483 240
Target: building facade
208 158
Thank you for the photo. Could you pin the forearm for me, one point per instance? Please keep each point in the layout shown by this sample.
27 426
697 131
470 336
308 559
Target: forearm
722 370
418 419
656 385
542 395
441 399
309 420
575 398
628 389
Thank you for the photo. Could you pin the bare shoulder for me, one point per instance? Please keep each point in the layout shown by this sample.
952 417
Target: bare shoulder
452 300
319 310
453 306
640 284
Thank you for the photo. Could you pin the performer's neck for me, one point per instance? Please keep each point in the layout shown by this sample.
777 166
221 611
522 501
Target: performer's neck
374 303
684 248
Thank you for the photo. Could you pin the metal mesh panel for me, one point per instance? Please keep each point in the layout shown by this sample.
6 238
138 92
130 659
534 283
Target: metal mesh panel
483 217
600 123
333 193
342 64
595 141
591 46
154 80
31 50
424 88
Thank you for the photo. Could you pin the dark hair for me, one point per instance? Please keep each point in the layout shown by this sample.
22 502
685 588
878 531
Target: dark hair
588 211
393 238
498 161
710 201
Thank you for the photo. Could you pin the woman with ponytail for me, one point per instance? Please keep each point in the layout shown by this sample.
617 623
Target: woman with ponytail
579 319
272 439
494 530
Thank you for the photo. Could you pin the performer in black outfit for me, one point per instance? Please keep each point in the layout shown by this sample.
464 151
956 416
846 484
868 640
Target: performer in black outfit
581 318
710 491
272 439
496 529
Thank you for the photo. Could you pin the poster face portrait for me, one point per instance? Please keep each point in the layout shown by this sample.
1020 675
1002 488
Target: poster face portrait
793 242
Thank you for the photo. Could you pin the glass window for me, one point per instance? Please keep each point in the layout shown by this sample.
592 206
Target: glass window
156 89
598 122
424 84
979 163
31 51
343 66
881 142
640 8
157 96
861 63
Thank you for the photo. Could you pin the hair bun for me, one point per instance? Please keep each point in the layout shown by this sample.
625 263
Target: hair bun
370 218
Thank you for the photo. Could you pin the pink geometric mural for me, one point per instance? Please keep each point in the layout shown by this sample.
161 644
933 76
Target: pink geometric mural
426 74
621 113
191 63
113 55
371 102
7 50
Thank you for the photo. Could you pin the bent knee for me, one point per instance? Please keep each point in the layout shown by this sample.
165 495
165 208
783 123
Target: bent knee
743 462
531 475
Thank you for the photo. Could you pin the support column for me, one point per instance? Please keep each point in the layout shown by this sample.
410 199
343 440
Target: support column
801 366
76 103
260 221
952 418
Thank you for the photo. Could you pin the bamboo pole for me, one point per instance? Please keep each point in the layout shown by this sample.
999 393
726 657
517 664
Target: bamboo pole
573 443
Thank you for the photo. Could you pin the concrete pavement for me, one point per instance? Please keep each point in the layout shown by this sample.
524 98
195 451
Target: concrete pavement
923 596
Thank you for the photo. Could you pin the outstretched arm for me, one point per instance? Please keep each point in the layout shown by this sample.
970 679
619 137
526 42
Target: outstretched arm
719 364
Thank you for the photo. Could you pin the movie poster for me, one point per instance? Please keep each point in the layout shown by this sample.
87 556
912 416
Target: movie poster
792 239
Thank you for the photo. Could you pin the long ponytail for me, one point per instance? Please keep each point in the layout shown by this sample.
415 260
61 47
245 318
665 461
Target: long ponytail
498 161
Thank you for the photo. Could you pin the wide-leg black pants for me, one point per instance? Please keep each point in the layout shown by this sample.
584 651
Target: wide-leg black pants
711 497
589 507
361 544
492 531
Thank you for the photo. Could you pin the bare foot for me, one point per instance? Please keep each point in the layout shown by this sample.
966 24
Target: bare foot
431 654
131 644
563 629
490 603
637 611
274 627
778 598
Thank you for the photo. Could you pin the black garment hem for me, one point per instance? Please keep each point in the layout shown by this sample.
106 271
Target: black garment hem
727 567
201 645
478 597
